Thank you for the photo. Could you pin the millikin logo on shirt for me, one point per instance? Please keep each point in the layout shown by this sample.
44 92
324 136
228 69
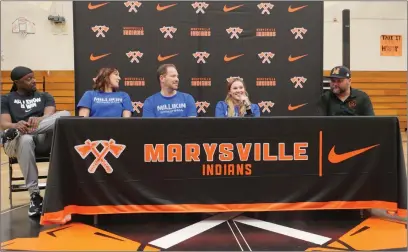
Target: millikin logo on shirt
107 100
171 106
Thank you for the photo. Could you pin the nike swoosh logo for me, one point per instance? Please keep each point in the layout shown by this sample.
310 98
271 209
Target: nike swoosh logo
290 9
290 107
96 6
337 158
226 58
291 59
163 58
162 8
93 58
228 9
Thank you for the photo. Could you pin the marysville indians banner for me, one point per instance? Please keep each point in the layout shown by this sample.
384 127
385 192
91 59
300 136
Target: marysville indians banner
224 164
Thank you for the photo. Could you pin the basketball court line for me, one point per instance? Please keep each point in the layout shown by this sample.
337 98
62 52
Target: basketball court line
186 233
287 231
242 235
9 210
233 233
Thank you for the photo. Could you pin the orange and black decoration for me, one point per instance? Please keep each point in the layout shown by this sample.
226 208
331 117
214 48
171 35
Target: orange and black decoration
321 163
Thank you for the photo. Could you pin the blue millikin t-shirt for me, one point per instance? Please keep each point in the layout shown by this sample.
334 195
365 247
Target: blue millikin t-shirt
178 105
102 104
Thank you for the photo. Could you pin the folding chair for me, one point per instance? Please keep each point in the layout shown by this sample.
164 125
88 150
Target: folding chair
42 153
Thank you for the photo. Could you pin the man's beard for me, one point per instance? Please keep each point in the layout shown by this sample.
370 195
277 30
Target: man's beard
338 90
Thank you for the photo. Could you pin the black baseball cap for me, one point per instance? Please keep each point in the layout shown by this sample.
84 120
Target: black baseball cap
340 72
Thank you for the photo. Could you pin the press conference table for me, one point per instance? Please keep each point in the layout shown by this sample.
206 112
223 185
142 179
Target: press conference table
185 165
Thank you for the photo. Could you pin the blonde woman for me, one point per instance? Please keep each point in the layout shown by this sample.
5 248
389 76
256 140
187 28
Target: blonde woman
237 103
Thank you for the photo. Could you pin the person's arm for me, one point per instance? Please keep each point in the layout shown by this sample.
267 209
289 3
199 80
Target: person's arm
85 105
50 106
191 107
5 118
84 112
367 107
127 106
148 109
220 110
49 109
256 112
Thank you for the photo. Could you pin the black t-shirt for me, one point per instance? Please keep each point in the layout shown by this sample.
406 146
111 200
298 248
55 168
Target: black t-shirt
357 104
23 107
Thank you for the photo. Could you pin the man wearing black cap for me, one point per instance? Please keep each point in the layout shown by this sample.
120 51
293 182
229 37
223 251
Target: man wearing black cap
342 100
27 116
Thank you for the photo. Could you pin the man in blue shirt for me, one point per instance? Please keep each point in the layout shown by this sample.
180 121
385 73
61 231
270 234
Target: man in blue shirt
169 102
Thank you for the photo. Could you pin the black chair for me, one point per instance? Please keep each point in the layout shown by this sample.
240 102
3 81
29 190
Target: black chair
42 153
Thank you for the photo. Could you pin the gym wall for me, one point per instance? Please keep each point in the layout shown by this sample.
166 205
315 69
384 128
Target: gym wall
369 20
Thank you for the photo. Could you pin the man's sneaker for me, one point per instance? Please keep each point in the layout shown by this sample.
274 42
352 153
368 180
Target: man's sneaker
35 205
9 135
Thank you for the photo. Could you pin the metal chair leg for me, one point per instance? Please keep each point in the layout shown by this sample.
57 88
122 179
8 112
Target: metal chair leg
10 184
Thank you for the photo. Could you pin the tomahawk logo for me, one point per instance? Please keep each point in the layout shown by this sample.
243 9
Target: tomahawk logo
234 31
266 57
134 56
200 56
266 106
137 106
298 81
132 5
100 29
200 6
108 147
299 32
202 106
265 7
168 31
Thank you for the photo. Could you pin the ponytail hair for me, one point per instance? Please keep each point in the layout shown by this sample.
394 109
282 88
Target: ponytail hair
13 88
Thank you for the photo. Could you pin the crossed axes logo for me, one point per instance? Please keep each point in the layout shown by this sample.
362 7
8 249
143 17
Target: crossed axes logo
133 5
200 6
266 57
108 147
299 32
202 105
265 7
168 30
234 31
201 56
100 29
266 106
137 106
134 56
298 81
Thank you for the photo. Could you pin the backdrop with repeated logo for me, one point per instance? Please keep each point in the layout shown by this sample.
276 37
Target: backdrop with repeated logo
276 47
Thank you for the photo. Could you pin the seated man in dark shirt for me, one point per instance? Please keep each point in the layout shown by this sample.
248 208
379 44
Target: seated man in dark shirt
342 100
26 116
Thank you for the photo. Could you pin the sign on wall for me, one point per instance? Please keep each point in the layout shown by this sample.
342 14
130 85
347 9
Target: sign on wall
276 47
391 45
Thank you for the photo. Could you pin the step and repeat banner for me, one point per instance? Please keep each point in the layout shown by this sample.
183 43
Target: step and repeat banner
276 47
